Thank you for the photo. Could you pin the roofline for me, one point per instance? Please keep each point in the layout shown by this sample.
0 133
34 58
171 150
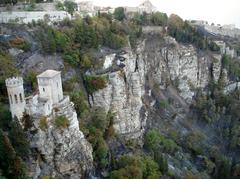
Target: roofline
39 76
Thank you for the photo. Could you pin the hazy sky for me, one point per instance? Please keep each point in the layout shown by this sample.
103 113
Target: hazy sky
217 11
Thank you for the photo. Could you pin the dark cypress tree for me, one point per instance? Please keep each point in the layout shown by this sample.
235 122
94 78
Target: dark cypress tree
19 139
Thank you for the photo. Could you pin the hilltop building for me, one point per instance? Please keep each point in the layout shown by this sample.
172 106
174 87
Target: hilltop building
49 96
145 6
86 8
224 30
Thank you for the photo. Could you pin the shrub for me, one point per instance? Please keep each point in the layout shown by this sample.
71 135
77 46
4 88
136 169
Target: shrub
20 43
183 32
101 153
232 66
190 175
194 142
43 123
27 121
95 124
224 168
59 6
80 103
69 84
154 141
70 6
119 13
100 119
235 133
164 104
5 117
31 79
161 161
19 139
110 131
209 165
135 167
7 69
72 57
159 18
12 165
62 122
236 172
94 83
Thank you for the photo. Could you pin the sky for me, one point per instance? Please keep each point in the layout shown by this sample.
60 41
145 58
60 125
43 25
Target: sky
216 11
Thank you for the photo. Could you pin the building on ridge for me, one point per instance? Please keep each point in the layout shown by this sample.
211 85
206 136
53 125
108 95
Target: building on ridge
49 95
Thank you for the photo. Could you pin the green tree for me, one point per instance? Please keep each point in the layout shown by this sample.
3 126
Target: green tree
136 167
159 18
59 6
224 168
5 117
119 13
94 83
19 139
101 153
70 6
12 165
80 103
61 40
152 139
161 161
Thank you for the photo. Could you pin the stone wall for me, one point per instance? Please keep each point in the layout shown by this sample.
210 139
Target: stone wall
29 16
221 30
152 29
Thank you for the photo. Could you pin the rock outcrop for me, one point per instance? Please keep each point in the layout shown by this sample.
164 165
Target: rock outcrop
60 152
163 62
123 96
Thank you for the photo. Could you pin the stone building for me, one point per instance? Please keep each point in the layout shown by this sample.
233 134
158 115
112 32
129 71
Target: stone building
16 96
49 95
86 8
145 6
224 49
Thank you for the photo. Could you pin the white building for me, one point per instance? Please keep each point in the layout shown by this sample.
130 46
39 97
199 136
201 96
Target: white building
49 96
86 8
24 17
16 96
224 49
50 85
145 6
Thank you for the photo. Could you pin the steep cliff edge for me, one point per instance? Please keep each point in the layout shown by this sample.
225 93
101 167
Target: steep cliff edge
60 152
157 63
154 85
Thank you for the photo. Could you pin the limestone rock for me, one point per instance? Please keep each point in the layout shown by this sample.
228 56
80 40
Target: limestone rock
164 61
60 152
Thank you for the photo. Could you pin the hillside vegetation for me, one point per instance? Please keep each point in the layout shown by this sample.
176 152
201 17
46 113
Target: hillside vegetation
77 42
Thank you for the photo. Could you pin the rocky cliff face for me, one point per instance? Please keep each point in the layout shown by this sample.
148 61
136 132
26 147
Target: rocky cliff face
123 95
157 62
60 152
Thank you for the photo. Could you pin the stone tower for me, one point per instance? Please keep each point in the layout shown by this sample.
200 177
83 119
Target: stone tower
16 96
50 86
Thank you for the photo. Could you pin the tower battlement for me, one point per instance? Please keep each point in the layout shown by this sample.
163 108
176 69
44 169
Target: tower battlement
16 96
14 81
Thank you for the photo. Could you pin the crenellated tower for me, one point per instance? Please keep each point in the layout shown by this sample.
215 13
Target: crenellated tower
16 96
